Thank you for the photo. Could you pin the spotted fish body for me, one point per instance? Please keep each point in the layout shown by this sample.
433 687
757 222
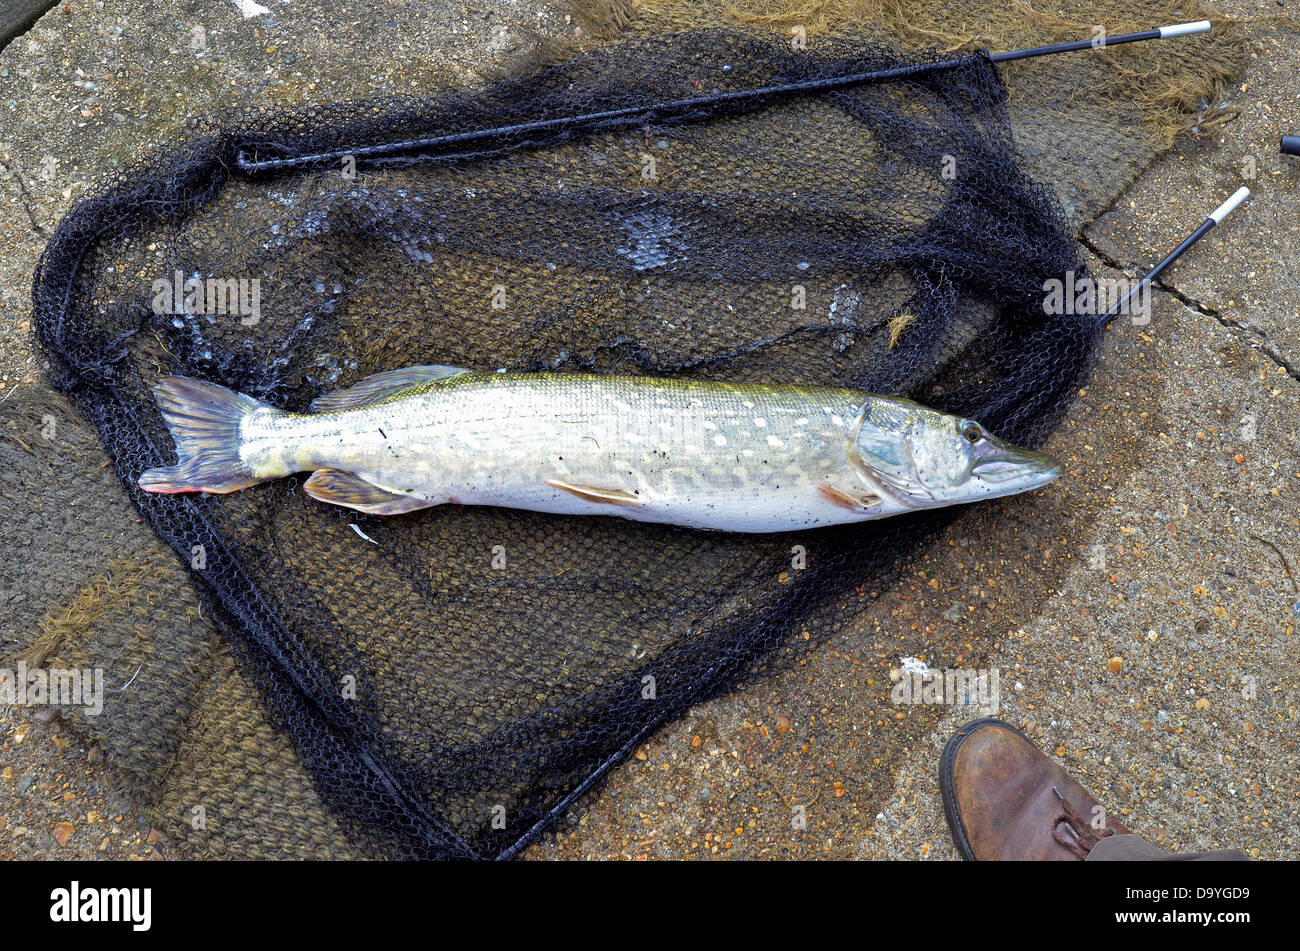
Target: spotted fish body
733 457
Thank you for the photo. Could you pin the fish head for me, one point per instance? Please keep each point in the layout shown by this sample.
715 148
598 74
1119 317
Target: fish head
922 458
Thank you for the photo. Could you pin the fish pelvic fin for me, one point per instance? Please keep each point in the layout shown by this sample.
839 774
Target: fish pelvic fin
856 503
352 491
593 493
204 420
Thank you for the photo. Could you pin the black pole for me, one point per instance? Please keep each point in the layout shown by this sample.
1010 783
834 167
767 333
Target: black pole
1240 195
1291 145
638 115
1104 42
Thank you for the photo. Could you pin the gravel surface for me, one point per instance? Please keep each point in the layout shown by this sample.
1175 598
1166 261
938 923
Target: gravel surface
58 799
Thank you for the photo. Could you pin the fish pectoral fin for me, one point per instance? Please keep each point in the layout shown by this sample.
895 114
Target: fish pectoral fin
348 489
379 385
592 493
878 471
845 500
887 485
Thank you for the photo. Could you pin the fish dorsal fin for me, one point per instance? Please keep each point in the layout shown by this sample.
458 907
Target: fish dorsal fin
378 385
348 489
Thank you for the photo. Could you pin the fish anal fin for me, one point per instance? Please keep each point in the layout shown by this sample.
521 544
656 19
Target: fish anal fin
375 387
844 499
345 488
592 493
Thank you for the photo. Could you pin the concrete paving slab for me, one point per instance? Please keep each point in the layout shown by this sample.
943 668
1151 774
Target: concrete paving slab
1161 548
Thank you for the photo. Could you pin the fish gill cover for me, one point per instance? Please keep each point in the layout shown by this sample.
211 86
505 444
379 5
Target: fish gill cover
456 677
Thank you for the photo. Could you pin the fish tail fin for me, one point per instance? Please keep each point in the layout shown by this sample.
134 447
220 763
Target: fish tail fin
204 420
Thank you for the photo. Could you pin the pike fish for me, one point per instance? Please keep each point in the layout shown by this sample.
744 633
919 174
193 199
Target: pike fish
725 456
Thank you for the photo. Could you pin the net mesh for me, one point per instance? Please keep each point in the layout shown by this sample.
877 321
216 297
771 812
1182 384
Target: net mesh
455 677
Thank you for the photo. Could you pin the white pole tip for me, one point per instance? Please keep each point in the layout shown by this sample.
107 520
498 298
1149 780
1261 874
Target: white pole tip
1182 29
1240 195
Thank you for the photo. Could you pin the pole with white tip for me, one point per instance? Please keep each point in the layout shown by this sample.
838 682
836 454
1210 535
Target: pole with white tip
1216 216
1105 42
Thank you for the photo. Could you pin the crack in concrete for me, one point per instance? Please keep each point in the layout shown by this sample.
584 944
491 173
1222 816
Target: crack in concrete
26 201
1264 345
1106 258
1261 343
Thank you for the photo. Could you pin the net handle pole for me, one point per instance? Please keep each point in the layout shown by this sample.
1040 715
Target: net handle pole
1104 42
1225 209
632 115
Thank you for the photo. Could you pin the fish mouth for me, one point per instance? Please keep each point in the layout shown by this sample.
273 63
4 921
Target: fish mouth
1015 470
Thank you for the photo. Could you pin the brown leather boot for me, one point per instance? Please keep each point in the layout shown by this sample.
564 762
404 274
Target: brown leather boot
1006 800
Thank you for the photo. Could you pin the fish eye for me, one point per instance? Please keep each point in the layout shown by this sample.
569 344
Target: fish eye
972 431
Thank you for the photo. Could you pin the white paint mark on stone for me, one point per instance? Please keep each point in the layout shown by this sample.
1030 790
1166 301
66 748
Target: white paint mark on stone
910 665
251 8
